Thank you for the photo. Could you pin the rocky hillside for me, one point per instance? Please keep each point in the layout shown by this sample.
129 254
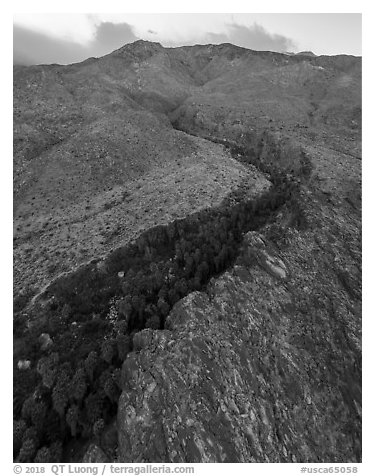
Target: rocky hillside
264 366
187 257
93 141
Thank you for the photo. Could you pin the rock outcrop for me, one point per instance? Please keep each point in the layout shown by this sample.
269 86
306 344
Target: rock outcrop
244 373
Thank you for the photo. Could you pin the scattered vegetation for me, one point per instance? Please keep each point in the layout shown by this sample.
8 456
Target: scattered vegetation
73 386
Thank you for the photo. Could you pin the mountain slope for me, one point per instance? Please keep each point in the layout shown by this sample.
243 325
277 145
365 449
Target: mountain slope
286 388
187 257
84 128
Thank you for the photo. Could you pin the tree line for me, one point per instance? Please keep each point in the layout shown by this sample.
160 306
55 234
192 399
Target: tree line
72 388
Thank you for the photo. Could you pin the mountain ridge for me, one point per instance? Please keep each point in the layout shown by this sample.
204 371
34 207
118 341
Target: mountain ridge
156 46
175 207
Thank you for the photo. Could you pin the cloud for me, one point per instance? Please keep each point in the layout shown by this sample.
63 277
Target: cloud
31 47
254 37
110 36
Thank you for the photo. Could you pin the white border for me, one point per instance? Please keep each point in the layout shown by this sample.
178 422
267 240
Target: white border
98 6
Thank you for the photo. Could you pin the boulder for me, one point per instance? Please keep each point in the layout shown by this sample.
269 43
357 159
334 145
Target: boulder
23 364
259 251
45 341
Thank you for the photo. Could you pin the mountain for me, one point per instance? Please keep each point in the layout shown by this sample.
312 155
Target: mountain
187 234
89 132
306 53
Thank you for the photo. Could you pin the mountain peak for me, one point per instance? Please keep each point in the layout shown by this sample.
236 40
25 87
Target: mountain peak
306 53
145 44
139 47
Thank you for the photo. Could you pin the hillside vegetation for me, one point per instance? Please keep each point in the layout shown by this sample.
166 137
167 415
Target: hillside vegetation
164 196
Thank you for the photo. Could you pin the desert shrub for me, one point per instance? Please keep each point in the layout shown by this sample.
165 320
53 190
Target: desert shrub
43 455
91 363
94 326
123 346
77 383
276 233
98 427
72 419
298 218
153 322
27 451
347 282
108 350
21 300
60 393
55 451
47 368
95 406
19 428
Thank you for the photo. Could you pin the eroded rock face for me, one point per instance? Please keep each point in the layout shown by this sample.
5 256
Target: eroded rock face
243 373
255 249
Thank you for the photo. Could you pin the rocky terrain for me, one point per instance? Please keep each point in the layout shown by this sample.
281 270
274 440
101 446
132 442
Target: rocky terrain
286 334
236 174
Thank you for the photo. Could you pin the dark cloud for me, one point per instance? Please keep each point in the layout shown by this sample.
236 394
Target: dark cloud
110 36
254 37
30 47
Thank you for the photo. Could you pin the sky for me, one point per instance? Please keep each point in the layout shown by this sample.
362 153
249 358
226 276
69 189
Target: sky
71 37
